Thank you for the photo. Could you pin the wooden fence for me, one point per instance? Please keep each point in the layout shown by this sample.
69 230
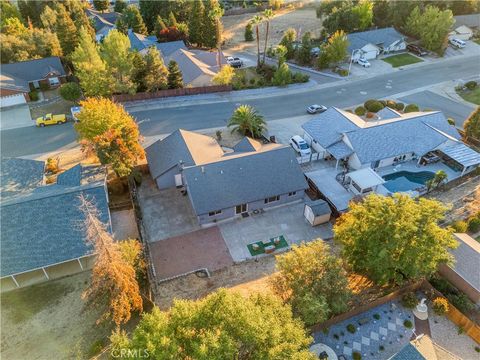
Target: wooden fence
171 93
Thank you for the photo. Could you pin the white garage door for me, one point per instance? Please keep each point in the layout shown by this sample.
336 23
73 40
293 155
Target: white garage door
15 116
12 100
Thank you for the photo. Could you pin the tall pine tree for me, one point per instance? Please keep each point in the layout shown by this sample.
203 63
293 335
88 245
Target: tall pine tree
133 20
66 30
101 5
212 25
175 78
155 72
159 26
195 28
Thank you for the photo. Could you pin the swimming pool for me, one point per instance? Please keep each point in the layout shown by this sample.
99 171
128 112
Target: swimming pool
406 180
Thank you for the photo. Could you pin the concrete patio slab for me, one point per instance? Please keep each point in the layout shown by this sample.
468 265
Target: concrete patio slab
287 220
189 252
124 225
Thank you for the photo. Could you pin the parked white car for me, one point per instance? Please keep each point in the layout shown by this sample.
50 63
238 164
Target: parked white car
234 62
363 62
300 145
315 108
457 43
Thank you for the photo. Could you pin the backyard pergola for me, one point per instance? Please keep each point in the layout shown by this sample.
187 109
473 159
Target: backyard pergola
462 155
364 180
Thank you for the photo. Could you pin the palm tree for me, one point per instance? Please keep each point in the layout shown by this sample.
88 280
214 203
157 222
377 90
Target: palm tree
267 14
440 177
257 20
247 121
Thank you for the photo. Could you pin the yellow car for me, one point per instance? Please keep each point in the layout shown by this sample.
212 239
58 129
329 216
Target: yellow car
50 119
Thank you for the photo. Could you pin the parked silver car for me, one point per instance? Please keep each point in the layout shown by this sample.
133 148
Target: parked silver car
315 108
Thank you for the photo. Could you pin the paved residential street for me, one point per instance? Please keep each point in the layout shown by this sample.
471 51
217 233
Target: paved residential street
156 120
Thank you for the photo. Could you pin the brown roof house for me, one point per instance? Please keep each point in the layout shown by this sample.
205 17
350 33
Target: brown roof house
465 273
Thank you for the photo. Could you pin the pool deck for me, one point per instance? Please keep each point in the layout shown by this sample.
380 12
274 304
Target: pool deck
412 166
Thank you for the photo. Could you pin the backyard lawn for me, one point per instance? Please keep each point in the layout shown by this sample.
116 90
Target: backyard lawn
472 96
402 60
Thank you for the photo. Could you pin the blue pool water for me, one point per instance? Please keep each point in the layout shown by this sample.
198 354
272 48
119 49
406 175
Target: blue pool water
406 180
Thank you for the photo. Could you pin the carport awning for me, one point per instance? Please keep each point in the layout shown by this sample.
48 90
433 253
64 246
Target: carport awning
462 154
326 183
366 178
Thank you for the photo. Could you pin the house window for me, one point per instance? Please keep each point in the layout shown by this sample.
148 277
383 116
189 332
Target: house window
272 199
214 213
54 81
239 209
292 193
354 184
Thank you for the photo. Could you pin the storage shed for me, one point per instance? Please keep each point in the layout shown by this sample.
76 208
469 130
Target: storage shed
317 212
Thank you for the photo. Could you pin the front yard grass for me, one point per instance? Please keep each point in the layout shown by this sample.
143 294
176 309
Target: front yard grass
472 96
402 60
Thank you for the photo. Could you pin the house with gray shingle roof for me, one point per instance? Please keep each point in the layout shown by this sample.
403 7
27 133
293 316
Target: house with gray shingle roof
369 44
41 234
221 184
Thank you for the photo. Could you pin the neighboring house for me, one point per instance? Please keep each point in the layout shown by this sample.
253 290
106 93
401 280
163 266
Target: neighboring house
102 22
198 67
461 32
18 79
464 273
370 44
221 184
41 234
471 20
379 143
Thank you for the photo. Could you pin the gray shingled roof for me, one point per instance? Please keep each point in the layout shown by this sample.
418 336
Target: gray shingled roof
12 83
32 70
382 37
387 113
168 48
164 154
138 42
401 137
327 128
107 17
246 145
340 150
471 20
238 180
20 176
462 154
467 259
408 352
42 226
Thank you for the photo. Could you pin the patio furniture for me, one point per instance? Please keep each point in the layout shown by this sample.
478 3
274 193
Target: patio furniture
269 249
255 246
323 355
266 242
319 349
276 240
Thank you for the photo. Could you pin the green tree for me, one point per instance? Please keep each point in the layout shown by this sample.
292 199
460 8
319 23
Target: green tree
31 10
13 26
101 5
8 10
115 51
195 28
70 91
348 16
431 26
257 20
172 21
76 9
312 281
267 16
363 11
90 68
337 47
120 5
111 132
65 30
382 13
393 239
224 76
49 18
281 53
304 54
223 325
175 78
212 26
282 76
159 26
288 38
247 121
248 32
472 124
133 20
155 72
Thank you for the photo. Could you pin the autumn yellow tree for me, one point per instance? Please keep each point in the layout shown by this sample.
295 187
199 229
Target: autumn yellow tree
113 285
111 132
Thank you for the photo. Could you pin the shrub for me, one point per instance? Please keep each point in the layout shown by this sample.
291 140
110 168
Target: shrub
360 111
351 328
461 302
474 223
33 95
373 105
70 91
325 331
477 349
411 108
383 102
376 316
381 348
461 330
409 300
442 285
356 356
440 305
267 71
283 76
335 336
299 77
249 32
451 121
459 226
370 115
44 86
399 106
391 104
96 347
52 166
470 85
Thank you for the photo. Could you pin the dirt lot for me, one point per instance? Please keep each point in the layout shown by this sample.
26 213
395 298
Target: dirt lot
302 20
47 321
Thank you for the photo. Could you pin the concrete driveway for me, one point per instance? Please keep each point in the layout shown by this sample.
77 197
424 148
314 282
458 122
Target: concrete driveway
17 116
377 67
433 101
285 220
